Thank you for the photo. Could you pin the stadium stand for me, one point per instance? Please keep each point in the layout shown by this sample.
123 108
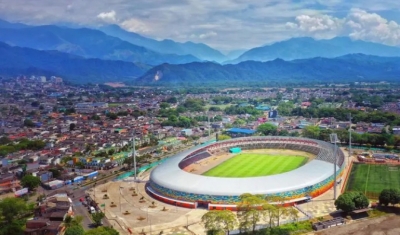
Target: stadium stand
322 150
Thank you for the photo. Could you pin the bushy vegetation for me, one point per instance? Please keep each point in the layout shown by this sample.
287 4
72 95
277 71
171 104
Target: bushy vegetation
350 201
21 144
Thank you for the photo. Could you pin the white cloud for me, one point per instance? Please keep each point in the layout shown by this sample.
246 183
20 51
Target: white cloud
208 35
135 25
109 17
358 24
224 24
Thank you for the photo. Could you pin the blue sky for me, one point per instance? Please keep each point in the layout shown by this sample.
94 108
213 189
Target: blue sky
223 24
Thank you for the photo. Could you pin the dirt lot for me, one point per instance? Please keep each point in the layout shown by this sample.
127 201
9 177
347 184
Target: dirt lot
387 225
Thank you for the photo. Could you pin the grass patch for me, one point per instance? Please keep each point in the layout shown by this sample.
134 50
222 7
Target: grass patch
372 179
290 228
115 104
254 164
376 213
221 106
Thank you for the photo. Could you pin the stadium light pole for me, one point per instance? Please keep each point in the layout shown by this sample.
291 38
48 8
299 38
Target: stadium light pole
350 130
134 155
209 126
120 208
333 138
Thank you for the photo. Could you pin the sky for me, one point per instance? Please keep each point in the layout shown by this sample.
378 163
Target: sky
223 24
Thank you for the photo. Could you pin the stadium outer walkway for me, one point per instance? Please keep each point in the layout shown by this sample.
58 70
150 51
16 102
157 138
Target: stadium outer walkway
175 219
324 204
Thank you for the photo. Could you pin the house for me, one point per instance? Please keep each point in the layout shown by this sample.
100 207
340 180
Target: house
396 130
187 132
240 132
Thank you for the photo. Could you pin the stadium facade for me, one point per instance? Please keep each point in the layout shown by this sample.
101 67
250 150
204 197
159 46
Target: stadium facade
171 183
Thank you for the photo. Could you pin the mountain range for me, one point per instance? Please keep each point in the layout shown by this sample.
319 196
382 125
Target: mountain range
166 46
305 47
113 54
89 43
76 69
348 68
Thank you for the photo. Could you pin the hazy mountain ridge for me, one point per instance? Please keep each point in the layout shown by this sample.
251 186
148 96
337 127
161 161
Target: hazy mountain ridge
355 67
166 46
302 48
85 42
27 61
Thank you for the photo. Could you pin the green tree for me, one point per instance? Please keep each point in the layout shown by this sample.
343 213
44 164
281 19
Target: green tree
112 116
293 214
172 100
72 126
14 227
35 104
31 182
29 123
270 212
75 230
227 219
311 132
350 201
129 162
4 140
223 137
111 152
267 129
164 105
80 165
12 208
389 196
211 222
56 173
73 225
97 217
102 231
248 211
70 221
239 122
280 210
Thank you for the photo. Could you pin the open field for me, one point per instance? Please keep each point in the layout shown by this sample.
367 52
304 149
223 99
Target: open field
253 164
372 179
115 104
221 106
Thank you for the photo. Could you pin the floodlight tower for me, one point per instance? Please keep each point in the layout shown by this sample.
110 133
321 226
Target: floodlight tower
350 131
334 139
134 155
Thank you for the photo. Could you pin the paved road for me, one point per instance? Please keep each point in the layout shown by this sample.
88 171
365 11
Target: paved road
82 210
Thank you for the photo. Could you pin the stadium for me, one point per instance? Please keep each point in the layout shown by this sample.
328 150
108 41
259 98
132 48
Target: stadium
176 181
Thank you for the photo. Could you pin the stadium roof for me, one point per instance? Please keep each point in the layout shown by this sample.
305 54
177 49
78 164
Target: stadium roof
169 175
241 131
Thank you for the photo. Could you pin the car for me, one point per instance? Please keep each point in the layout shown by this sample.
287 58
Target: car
81 199
84 203
92 210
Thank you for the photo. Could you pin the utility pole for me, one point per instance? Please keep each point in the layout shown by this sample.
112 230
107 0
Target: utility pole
209 126
350 131
120 194
134 155
333 138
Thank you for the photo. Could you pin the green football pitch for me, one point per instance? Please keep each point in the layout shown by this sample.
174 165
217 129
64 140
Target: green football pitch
372 179
253 164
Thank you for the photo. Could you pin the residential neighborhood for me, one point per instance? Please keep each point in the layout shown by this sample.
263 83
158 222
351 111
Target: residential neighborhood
69 135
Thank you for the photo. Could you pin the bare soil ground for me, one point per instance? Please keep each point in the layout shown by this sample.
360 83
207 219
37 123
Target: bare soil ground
115 84
387 225
213 161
